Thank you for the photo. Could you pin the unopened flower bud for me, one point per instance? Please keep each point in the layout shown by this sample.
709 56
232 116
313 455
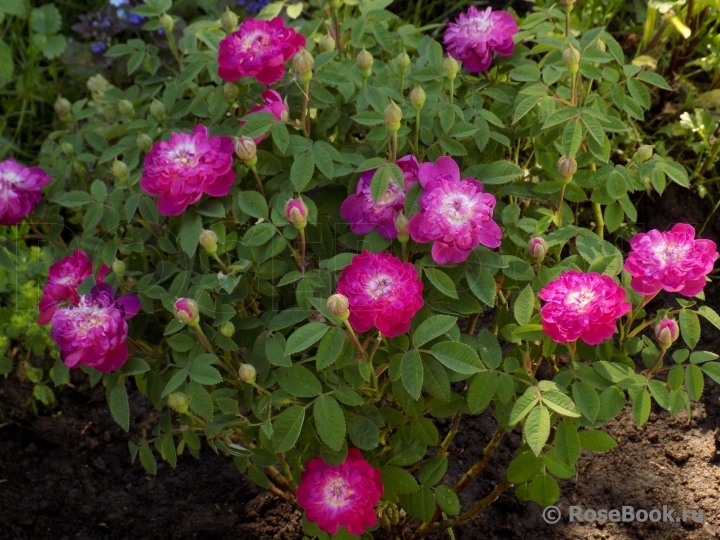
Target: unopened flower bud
246 150
144 142
62 107
392 116
157 109
339 305
67 148
666 332
538 248
296 212
566 4
364 62
327 43
247 373
401 226
567 167
417 97
571 57
209 240
450 67
391 511
643 153
187 311
98 85
229 21
120 170
178 402
303 63
125 107
402 62
335 4
167 23
230 91
118 267
227 329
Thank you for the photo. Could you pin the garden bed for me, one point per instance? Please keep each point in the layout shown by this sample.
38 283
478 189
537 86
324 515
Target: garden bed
65 474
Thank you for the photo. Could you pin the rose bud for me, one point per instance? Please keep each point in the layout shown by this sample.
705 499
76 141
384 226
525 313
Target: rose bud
303 63
118 267
296 212
144 142
178 402
392 116
229 21
120 170
417 97
538 248
402 62
246 150
327 43
97 84
364 62
227 329
339 305
209 240
187 311
644 153
401 226
571 57
125 107
450 67
157 109
230 91
666 332
567 167
62 107
247 373
167 23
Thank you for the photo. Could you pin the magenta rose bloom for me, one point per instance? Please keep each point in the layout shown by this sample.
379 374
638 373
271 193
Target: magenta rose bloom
63 279
180 170
383 292
364 214
455 214
94 332
341 496
20 190
275 105
580 305
476 35
673 261
258 49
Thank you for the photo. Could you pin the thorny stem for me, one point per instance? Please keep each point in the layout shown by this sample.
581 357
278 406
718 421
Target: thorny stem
287 473
454 426
599 221
473 471
336 24
305 117
473 323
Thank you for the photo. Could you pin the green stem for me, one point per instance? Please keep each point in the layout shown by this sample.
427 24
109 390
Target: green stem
222 264
417 132
452 90
354 338
657 362
302 250
257 179
305 117
203 338
561 198
599 221
393 146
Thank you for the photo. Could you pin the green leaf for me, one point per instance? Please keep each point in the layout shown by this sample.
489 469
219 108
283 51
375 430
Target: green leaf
330 348
398 480
259 234
654 79
537 429
523 405
420 505
694 382
363 433
523 468
305 337
199 400
442 282
280 136
711 315
205 374
482 285
596 440
412 373
302 170
447 500
544 490
432 328
321 152
689 327
567 442
253 204
175 381
286 428
481 391
499 172
572 138
641 404
434 470
457 357
46 19
329 422
72 199
298 381
587 399
660 392
119 407
147 458
524 305
380 183
190 232
489 348
560 403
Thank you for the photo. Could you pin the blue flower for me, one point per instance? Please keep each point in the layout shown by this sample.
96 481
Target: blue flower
117 3
98 47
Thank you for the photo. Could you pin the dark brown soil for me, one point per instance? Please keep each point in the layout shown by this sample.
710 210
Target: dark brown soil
68 476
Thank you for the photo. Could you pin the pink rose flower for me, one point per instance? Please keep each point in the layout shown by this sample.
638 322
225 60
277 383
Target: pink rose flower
20 190
258 49
673 261
275 105
383 292
341 496
455 214
364 214
94 332
63 279
582 305
667 331
475 36
180 170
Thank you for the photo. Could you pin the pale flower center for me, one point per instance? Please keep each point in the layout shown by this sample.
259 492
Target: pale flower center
456 208
87 317
479 25
580 299
380 285
10 178
337 492
669 252
184 155
255 40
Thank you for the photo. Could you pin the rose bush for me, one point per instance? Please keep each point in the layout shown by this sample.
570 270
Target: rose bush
304 276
